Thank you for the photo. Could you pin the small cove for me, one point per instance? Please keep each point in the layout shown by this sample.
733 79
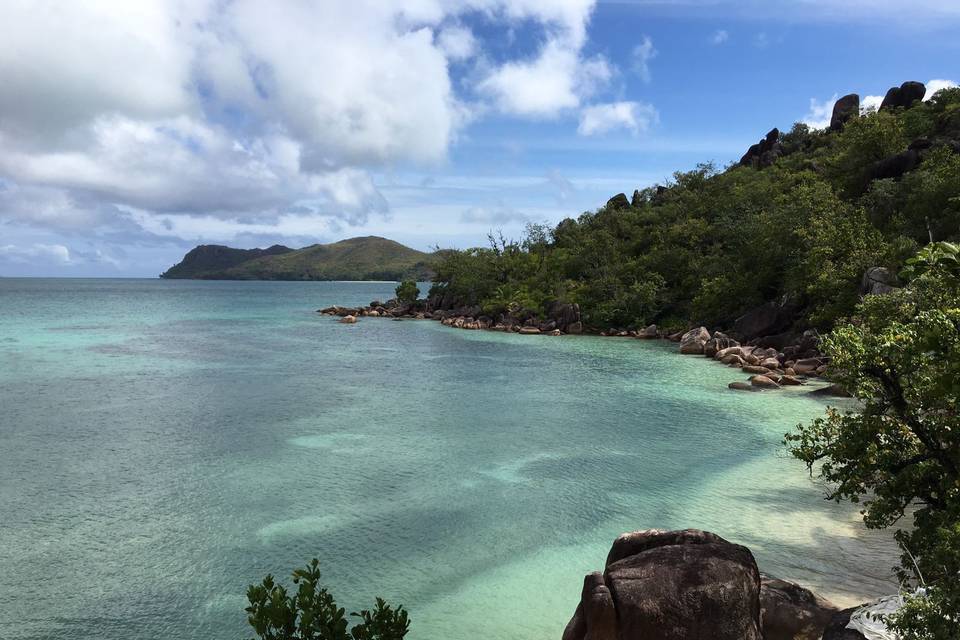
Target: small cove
168 442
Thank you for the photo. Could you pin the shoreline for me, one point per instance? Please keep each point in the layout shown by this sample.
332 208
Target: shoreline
768 368
785 603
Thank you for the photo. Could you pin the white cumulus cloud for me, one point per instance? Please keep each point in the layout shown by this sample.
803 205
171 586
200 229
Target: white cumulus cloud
936 85
818 117
643 53
168 117
870 103
558 77
57 254
457 42
636 117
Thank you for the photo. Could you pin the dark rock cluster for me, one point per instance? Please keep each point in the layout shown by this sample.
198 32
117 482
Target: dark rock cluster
764 153
768 367
618 202
764 342
898 164
691 585
560 317
903 96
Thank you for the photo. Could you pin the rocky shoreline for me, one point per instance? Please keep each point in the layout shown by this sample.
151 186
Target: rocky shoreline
760 344
688 584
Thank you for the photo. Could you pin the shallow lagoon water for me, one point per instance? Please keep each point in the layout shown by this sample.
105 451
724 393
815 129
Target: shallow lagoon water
165 443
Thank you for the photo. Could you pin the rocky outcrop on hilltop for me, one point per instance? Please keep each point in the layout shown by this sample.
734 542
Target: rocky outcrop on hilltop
843 109
764 153
903 96
691 585
898 164
618 201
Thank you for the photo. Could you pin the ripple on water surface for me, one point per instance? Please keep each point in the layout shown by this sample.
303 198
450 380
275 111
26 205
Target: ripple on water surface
175 441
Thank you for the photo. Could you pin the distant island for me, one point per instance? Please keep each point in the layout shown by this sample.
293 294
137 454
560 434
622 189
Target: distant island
364 258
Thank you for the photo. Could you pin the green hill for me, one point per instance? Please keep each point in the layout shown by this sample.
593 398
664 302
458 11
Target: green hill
215 258
366 258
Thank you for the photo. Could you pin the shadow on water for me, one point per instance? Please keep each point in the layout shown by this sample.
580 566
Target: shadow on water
224 431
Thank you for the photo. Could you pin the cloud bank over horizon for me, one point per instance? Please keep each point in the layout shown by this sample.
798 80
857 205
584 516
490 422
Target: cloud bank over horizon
140 128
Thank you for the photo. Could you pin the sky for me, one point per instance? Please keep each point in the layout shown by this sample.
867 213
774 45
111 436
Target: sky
132 131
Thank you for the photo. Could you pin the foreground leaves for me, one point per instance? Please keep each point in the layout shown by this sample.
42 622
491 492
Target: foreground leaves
312 613
900 452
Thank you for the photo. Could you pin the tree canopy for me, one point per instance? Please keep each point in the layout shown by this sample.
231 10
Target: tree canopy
899 452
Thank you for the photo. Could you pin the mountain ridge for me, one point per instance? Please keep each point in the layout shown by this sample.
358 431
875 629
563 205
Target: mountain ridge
359 258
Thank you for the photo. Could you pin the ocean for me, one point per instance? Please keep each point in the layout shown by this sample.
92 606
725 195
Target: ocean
163 444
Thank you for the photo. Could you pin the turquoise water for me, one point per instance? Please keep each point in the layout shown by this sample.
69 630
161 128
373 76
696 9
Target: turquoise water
165 443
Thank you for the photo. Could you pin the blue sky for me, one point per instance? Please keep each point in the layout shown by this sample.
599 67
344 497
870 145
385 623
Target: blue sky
129 134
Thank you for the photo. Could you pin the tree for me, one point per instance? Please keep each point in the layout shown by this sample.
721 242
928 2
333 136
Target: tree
312 613
407 291
900 452
931 196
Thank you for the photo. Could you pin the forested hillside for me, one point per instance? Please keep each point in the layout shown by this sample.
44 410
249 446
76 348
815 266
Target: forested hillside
796 223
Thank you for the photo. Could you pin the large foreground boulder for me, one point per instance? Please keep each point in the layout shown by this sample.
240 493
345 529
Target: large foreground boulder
671 585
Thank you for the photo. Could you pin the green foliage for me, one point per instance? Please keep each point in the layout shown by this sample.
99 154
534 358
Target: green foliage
943 257
407 291
712 244
837 244
312 613
900 452
932 613
865 141
931 197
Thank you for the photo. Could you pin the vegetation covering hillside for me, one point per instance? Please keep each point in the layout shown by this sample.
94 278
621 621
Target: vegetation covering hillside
798 222
214 258
367 258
